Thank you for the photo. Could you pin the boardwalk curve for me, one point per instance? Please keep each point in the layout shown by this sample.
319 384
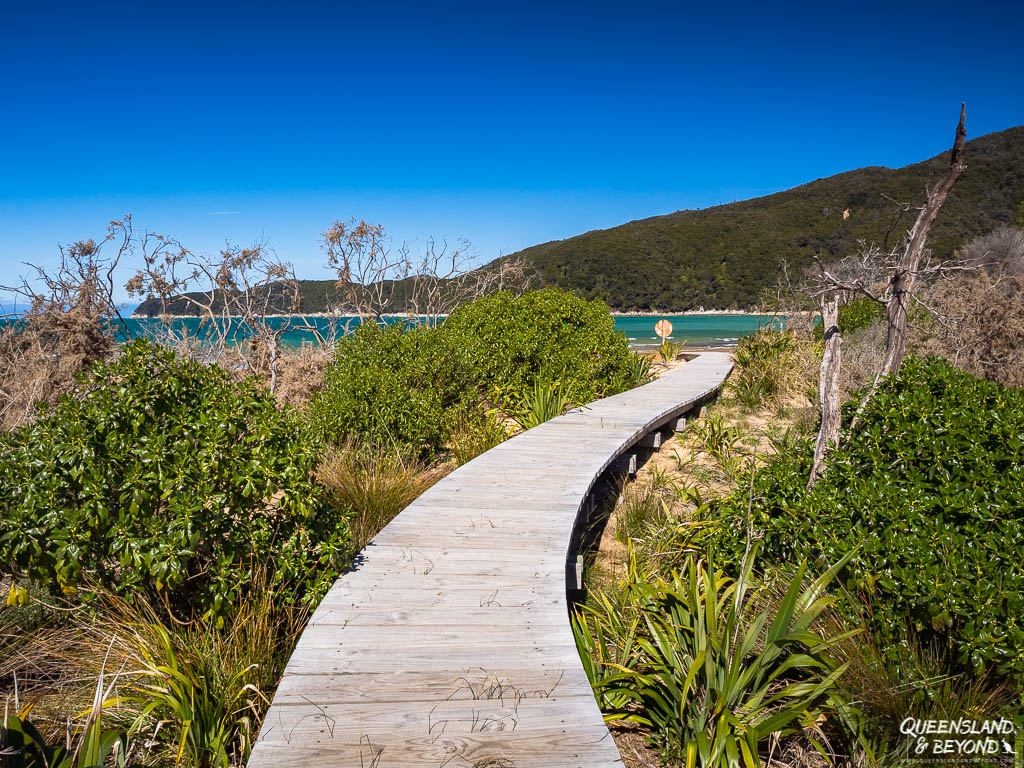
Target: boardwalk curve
449 643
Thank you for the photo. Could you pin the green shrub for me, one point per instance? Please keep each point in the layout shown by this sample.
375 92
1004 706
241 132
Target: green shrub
414 387
391 386
508 343
167 479
889 676
853 316
930 493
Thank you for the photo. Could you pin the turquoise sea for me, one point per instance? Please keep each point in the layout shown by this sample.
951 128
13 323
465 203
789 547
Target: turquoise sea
692 330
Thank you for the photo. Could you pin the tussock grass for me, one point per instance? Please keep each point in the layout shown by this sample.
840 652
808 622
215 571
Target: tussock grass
888 679
374 484
774 369
473 436
641 505
190 693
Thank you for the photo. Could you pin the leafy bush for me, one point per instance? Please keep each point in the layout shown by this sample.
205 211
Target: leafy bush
391 386
711 669
166 479
510 342
415 387
853 316
929 491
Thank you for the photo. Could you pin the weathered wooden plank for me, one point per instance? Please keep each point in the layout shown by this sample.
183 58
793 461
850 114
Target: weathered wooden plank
448 642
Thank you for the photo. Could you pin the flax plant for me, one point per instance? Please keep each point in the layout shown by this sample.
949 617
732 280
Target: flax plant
715 671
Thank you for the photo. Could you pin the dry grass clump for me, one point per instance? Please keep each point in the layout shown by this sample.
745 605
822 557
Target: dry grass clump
640 505
43 352
891 677
301 374
68 325
774 369
374 484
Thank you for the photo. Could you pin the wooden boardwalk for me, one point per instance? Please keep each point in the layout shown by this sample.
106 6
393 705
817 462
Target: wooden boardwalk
449 643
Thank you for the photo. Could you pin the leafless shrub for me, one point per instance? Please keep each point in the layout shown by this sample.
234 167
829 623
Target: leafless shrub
70 323
980 327
1001 251
301 374
244 298
863 353
376 278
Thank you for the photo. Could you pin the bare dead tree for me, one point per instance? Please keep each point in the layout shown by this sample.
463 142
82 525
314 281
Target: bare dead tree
909 265
441 280
367 267
889 278
445 279
828 387
376 278
244 298
70 321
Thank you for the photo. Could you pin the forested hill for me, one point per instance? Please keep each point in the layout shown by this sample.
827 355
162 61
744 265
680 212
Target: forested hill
724 257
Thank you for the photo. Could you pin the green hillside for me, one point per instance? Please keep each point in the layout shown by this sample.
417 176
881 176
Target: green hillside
723 257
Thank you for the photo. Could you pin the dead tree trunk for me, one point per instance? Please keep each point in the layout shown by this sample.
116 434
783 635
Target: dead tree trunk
828 387
909 264
906 268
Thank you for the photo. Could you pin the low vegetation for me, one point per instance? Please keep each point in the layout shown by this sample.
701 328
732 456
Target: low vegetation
165 479
392 386
926 496
170 521
907 538
713 668
525 358
372 485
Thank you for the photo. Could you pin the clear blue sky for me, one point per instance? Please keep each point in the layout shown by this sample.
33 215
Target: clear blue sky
507 124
